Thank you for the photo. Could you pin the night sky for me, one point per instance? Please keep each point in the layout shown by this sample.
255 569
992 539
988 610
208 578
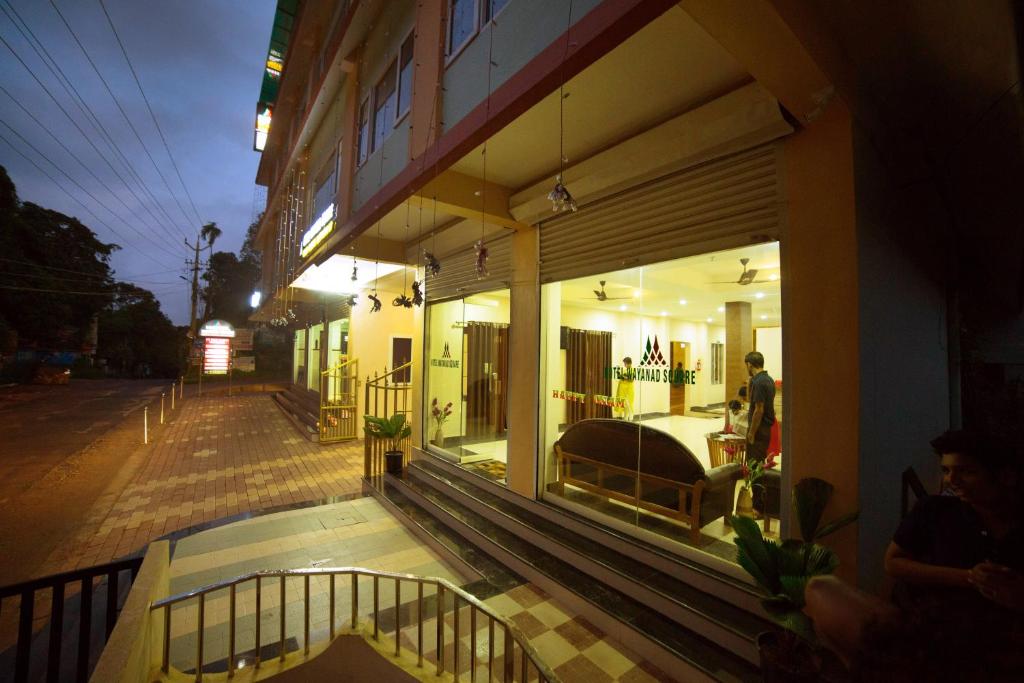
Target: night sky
200 63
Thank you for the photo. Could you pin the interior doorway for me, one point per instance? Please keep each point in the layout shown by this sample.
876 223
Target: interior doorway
679 359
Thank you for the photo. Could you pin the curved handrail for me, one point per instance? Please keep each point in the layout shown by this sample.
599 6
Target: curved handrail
338 366
545 672
377 379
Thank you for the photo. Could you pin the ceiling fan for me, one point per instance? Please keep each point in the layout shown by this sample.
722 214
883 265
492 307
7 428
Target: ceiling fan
602 296
746 277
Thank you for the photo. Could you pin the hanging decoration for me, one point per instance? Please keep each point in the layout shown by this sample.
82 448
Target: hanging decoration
375 300
402 301
560 197
432 265
481 258
355 270
352 299
417 294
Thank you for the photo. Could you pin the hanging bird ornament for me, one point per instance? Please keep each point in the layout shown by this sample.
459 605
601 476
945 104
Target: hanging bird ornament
433 266
417 293
402 301
560 197
376 302
481 258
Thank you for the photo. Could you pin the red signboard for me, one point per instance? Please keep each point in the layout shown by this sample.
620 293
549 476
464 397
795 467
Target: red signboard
216 355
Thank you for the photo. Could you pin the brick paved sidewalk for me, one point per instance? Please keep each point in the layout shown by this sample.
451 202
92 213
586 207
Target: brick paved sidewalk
219 457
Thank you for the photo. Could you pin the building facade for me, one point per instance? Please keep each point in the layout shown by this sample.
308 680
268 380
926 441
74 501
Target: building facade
571 184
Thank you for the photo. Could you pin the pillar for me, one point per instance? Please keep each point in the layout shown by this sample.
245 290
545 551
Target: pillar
524 363
739 341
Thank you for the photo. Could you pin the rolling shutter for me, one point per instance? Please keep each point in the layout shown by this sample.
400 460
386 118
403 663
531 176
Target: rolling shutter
458 276
720 204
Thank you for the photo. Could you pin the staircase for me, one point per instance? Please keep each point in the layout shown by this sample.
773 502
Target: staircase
687 619
302 407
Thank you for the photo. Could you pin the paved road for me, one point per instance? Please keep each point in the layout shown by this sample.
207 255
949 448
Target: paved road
60 448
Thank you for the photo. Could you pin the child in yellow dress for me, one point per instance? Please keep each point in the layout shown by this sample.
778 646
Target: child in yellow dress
624 390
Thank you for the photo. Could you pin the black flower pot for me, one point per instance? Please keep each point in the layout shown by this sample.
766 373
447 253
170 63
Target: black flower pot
787 659
393 462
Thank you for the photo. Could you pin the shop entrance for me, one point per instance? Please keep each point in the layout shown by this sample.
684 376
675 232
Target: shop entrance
679 360
486 348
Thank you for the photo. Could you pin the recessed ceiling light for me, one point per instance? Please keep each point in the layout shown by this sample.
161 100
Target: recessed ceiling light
759 295
721 309
664 312
773 277
764 317
636 293
709 319
682 302
622 307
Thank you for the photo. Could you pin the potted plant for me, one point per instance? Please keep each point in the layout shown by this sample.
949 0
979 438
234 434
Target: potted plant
392 430
440 415
782 571
751 470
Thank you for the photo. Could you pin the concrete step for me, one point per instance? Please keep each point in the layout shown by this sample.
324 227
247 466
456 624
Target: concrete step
695 635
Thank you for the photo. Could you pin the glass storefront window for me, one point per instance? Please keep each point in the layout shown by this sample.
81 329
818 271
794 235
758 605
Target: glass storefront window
467 376
299 358
638 370
313 358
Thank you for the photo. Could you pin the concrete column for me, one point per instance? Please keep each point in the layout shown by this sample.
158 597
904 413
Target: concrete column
739 341
524 363
349 145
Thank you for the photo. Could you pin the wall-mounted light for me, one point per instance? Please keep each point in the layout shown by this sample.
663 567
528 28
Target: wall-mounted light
255 299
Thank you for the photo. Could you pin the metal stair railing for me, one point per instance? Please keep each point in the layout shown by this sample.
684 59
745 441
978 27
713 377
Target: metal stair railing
516 648
62 589
383 398
339 420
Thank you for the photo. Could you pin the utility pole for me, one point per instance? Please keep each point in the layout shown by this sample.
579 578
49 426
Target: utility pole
195 292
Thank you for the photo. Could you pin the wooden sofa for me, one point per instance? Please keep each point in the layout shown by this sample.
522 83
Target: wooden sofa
647 467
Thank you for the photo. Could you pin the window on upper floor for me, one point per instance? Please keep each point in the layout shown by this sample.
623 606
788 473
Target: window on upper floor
405 71
493 7
326 189
363 134
462 23
384 106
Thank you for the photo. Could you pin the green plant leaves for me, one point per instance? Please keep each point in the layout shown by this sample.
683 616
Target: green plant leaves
810 496
837 524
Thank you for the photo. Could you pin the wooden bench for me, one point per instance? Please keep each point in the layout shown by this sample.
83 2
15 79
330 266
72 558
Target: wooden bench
645 467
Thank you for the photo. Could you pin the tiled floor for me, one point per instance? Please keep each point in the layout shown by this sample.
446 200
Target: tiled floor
362 533
220 456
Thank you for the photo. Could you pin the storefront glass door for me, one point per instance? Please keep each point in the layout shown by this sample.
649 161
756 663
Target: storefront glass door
313 357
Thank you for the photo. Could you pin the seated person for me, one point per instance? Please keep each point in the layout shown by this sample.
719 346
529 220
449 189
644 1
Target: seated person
736 420
965 552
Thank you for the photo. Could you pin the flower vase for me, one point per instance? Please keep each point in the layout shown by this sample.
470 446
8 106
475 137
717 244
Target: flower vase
439 437
745 503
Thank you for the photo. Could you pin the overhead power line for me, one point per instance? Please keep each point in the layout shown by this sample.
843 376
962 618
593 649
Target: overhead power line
79 201
80 187
152 115
174 245
82 272
120 108
64 111
87 112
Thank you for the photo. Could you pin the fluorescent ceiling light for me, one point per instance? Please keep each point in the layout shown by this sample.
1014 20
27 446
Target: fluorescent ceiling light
622 307
773 277
759 295
664 312
334 276
709 319
764 317
721 309
682 302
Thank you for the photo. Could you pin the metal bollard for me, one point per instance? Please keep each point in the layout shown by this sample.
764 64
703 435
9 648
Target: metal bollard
162 407
174 388
145 425
181 387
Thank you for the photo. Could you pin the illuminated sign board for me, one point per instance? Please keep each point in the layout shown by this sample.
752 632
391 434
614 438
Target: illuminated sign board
216 355
318 232
217 328
275 64
264 114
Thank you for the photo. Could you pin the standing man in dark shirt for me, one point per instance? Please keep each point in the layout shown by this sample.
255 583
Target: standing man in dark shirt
762 407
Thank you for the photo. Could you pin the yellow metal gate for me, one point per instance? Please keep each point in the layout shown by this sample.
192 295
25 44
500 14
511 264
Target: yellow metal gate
339 420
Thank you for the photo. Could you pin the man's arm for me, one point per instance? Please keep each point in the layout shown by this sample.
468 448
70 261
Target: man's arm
755 421
900 564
